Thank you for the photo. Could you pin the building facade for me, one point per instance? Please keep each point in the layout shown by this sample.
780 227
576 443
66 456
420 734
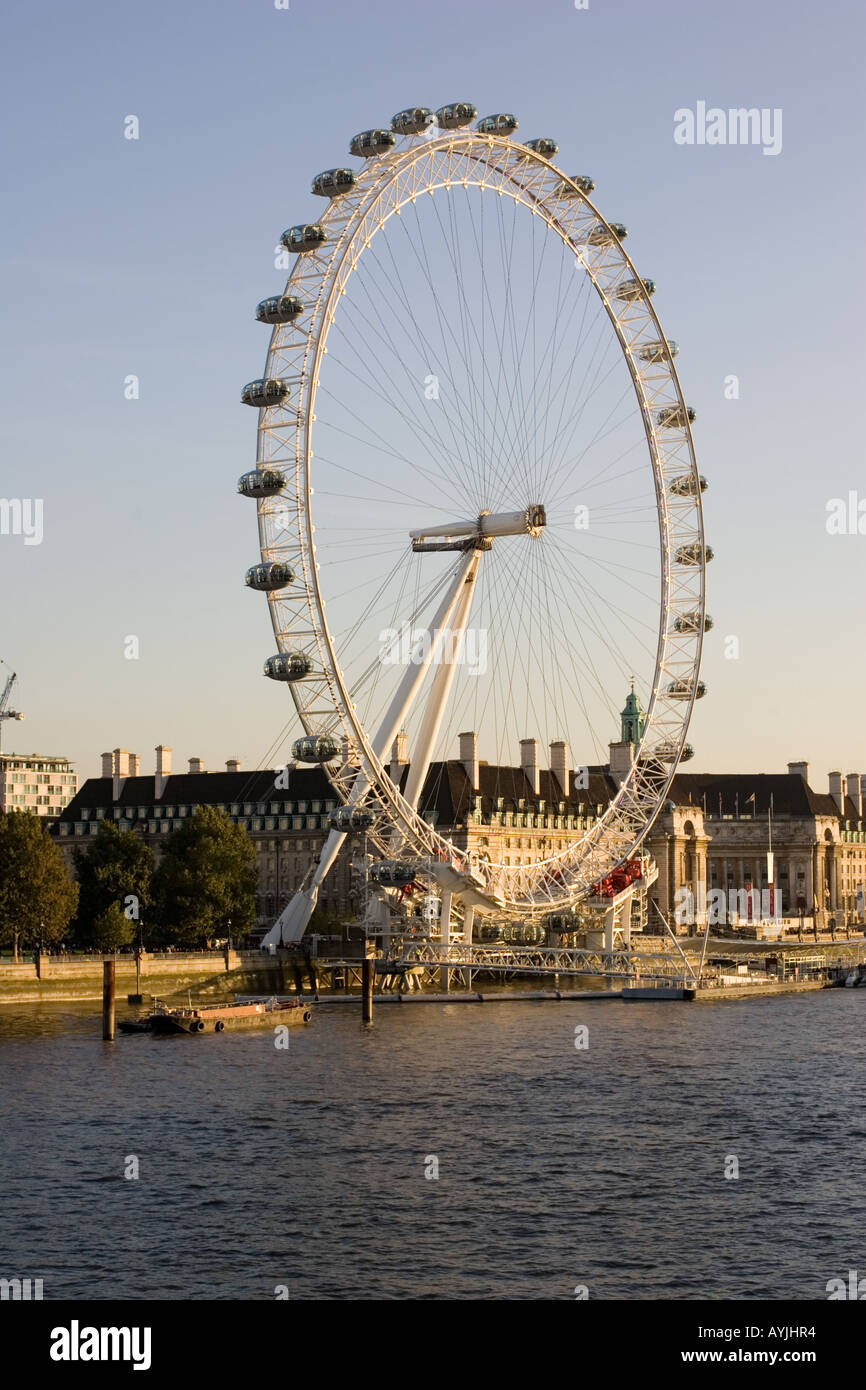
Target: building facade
36 782
713 833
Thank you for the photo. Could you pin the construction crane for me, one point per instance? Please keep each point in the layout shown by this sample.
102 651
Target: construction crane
5 712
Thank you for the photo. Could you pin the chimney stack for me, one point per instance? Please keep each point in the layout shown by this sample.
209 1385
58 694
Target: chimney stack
836 791
799 770
195 765
863 795
163 769
469 757
232 765
559 766
399 756
107 764
134 764
529 763
119 771
853 784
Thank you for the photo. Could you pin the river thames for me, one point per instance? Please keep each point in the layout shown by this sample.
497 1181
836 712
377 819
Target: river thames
304 1171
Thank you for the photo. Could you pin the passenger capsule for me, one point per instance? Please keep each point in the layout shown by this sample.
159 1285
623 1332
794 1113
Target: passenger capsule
565 189
543 146
281 308
659 352
684 486
316 748
348 818
288 666
670 753
267 577
265 392
691 622
631 290
332 182
602 235
503 123
692 554
674 417
306 237
261 482
682 690
413 121
458 114
392 873
371 143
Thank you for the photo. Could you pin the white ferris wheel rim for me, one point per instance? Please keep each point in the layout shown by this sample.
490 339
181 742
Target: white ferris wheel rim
324 702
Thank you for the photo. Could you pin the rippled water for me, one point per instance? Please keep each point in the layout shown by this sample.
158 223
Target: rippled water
557 1167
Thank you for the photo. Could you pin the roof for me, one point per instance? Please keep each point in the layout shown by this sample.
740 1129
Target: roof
790 794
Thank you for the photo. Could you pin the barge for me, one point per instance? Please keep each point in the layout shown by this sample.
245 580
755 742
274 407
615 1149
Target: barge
220 1018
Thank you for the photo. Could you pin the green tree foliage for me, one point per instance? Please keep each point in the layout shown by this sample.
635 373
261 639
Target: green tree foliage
206 880
37 896
115 869
112 928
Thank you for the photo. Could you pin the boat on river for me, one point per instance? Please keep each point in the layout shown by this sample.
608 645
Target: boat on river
221 1018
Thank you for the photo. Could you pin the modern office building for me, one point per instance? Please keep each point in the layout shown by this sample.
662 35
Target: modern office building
37 782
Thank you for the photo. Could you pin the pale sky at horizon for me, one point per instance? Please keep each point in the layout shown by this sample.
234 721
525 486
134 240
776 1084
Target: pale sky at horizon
147 257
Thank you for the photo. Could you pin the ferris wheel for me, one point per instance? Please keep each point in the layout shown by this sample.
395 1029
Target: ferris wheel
479 512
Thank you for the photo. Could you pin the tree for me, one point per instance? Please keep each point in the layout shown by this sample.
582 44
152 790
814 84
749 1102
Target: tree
115 869
37 896
112 928
205 883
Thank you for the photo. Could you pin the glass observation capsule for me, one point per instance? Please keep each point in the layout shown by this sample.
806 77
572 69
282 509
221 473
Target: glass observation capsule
565 189
659 352
691 554
280 308
261 482
306 237
349 818
674 417
602 235
503 123
287 666
669 753
392 873
458 114
684 485
632 289
271 575
682 690
265 392
691 622
315 748
332 182
371 143
414 121
543 146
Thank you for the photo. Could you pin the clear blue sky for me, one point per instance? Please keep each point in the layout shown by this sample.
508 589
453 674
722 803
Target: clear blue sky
148 256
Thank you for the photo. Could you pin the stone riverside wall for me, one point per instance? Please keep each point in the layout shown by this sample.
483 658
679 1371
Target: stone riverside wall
80 977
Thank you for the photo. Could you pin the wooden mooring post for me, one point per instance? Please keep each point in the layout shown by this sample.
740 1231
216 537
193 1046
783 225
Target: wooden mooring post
367 977
108 1000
